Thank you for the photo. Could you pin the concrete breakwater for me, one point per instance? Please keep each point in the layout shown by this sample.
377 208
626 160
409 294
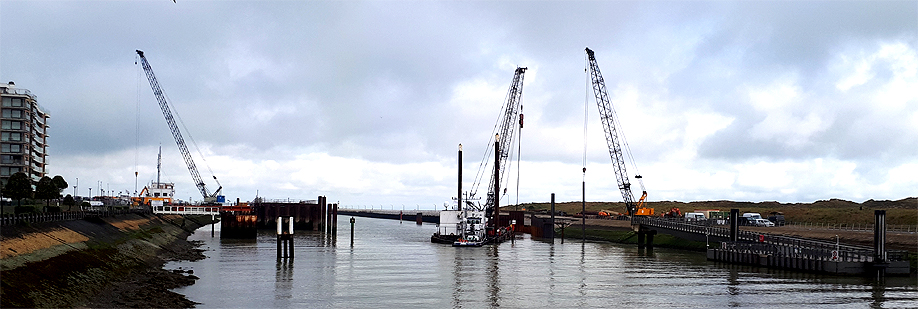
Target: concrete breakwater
81 263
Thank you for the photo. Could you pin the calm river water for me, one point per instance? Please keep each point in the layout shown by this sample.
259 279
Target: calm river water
394 265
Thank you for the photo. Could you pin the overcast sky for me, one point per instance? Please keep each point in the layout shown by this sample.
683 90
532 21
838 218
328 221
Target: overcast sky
366 102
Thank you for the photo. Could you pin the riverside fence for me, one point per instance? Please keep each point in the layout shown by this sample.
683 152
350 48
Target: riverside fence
11 219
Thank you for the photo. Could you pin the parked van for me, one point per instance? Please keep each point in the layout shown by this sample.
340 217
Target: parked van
93 206
694 216
752 216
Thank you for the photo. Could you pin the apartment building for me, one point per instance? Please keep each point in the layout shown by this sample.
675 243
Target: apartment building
23 146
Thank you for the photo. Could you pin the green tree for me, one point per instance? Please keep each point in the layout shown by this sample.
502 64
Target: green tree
46 190
18 187
60 184
69 202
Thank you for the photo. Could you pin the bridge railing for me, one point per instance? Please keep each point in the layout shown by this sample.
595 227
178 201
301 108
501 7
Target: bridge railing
865 227
187 210
810 253
767 243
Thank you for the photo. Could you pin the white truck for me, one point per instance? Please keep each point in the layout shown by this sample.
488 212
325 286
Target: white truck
695 216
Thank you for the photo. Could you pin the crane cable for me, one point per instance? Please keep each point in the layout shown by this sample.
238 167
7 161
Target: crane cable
188 133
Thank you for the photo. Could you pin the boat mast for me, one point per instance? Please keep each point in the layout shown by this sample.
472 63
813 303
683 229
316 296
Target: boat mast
159 163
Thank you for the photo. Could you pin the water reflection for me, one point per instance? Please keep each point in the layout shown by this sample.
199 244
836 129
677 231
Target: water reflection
395 266
493 277
283 279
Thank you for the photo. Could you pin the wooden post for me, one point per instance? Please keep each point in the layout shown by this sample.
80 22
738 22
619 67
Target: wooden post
352 231
552 217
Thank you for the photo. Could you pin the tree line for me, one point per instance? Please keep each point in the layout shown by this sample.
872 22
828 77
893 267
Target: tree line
19 187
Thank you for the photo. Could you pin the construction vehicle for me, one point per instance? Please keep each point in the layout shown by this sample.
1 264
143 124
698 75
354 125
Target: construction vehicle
672 213
209 198
609 123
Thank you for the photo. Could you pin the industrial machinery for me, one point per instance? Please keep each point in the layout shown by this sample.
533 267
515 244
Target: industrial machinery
209 198
509 121
609 123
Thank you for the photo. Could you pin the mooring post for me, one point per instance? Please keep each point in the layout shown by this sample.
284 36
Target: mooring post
879 236
734 225
280 243
640 239
352 231
650 239
335 220
552 217
290 237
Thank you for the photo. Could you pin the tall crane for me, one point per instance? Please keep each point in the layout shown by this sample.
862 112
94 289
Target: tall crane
208 197
509 121
609 120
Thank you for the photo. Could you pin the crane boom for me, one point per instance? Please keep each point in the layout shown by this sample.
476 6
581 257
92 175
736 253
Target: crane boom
167 113
510 116
607 114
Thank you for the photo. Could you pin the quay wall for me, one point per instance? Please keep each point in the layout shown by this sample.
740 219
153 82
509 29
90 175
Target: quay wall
69 263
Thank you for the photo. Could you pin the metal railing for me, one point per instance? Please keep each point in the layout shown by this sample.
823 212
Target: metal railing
187 210
10 219
288 200
785 245
867 227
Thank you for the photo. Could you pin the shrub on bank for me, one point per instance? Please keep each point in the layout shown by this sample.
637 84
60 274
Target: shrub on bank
25 210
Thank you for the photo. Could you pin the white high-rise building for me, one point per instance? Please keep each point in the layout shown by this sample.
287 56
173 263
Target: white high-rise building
24 142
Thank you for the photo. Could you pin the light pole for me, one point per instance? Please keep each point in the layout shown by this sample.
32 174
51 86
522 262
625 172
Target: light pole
77 187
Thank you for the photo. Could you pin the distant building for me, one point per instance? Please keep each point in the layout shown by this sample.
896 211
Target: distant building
24 142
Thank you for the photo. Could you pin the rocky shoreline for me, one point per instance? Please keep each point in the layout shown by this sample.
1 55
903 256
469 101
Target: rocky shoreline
98 263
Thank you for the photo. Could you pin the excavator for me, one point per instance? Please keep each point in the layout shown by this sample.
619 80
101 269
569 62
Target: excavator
609 120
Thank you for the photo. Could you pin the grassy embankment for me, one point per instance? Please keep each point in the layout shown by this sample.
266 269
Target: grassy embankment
900 212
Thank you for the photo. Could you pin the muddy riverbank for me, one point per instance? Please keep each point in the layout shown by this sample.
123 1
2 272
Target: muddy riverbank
97 262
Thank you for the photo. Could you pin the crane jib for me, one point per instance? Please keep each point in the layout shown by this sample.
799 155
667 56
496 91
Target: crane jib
607 115
179 140
511 121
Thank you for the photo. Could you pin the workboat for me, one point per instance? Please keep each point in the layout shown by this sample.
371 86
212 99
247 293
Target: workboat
473 228
468 241
460 223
